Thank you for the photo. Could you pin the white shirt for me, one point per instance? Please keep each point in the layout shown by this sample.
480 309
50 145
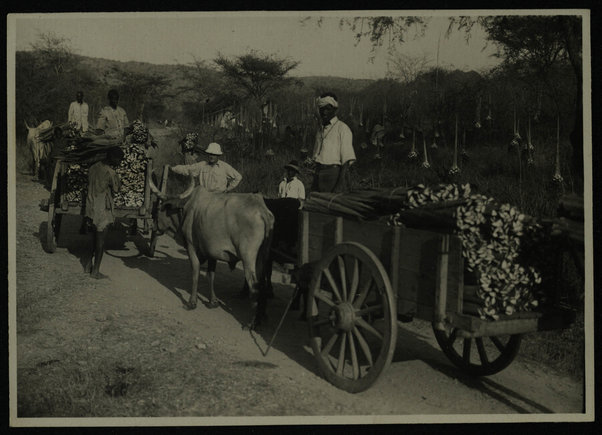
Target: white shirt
78 113
112 121
215 178
334 144
291 189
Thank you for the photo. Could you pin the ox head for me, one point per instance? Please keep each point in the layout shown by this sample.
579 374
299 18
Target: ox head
170 213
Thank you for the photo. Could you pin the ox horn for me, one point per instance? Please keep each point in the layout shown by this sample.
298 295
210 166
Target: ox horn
156 191
188 191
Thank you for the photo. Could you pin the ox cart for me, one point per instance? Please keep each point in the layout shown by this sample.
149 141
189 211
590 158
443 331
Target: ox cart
367 277
60 204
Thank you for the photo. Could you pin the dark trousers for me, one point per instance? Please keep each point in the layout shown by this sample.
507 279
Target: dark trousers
326 178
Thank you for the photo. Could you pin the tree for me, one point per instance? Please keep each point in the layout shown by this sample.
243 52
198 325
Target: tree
42 84
535 42
206 90
404 67
256 74
53 51
538 44
137 88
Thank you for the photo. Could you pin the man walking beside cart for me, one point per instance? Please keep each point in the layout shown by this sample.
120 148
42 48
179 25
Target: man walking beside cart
333 150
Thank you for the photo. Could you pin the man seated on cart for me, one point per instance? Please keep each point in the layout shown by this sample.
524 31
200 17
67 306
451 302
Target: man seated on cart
103 183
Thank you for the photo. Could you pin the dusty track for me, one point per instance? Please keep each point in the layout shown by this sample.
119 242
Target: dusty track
81 332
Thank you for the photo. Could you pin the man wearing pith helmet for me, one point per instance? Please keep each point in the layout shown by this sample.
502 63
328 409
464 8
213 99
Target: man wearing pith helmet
333 150
215 175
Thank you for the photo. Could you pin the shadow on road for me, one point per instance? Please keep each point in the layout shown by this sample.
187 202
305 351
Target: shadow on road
411 346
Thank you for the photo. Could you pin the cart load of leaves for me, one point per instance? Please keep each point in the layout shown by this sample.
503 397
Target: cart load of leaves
83 151
504 250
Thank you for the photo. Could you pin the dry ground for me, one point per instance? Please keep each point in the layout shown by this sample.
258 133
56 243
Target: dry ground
127 347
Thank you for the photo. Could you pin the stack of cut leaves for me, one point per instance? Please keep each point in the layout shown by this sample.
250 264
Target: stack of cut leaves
132 172
189 142
76 181
360 204
491 236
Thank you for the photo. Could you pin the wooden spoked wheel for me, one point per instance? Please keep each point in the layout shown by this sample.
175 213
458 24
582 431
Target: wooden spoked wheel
479 356
351 316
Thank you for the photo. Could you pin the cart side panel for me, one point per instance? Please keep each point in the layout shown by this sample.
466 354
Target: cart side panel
419 253
319 232
374 236
320 235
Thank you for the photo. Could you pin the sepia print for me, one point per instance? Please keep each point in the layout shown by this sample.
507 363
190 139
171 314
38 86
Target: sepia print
260 218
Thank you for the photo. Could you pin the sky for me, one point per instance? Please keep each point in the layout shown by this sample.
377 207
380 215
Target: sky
178 38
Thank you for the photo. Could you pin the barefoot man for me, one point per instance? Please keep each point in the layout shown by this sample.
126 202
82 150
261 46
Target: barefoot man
103 183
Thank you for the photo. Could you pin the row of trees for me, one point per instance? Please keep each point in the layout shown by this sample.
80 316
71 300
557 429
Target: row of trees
538 81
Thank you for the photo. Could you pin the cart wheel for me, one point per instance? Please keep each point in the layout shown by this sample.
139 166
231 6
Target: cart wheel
351 316
152 243
488 356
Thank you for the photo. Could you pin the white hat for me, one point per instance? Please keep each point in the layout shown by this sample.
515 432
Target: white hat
214 148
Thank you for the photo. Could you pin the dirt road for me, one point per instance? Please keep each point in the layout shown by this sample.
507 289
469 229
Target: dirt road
126 346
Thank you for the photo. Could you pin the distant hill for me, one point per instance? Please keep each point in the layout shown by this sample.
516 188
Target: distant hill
174 72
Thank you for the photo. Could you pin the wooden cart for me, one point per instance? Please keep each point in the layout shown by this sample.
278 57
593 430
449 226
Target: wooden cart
367 276
58 205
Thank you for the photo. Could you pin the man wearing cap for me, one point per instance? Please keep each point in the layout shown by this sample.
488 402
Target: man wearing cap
291 186
333 150
78 112
214 175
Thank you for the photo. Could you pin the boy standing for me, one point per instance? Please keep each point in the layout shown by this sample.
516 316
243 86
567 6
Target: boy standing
291 186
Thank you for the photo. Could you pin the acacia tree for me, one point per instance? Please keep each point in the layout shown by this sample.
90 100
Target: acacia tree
256 74
404 67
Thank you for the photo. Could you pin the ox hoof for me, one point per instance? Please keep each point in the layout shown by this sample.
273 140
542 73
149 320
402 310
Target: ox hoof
213 304
190 305
98 275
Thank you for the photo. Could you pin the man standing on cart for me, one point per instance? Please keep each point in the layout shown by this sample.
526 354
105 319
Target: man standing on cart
103 183
112 118
333 150
78 112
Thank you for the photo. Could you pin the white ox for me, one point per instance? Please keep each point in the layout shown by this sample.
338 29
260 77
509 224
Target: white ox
39 149
230 227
